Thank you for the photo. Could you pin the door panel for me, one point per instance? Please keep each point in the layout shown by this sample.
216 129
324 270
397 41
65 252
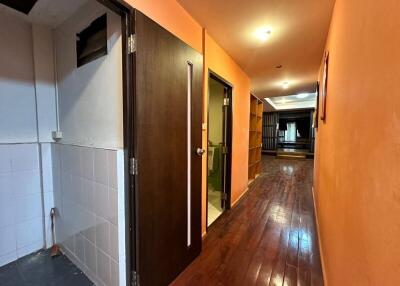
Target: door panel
166 71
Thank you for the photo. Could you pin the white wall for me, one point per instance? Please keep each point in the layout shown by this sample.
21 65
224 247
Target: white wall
17 90
44 81
21 218
87 186
88 160
90 97
21 195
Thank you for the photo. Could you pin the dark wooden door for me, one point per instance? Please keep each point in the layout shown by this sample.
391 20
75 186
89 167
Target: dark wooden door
168 134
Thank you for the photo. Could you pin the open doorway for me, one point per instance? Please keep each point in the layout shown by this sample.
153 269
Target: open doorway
288 126
219 147
64 71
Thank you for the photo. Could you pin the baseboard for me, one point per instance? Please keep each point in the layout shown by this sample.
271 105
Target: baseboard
239 198
319 241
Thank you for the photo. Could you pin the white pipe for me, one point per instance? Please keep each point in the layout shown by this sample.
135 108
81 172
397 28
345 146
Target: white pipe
56 81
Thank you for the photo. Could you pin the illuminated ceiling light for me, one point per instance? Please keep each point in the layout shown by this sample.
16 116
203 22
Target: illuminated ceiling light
263 34
302 95
285 85
283 101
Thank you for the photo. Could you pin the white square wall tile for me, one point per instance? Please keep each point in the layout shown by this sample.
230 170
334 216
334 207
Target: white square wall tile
87 162
29 232
55 156
112 169
67 160
8 243
65 183
113 206
103 267
114 273
80 247
7 201
100 166
7 209
24 157
5 183
21 252
28 207
47 167
69 243
101 200
103 235
5 158
48 232
89 232
76 160
26 182
7 258
75 189
87 189
90 256
114 245
48 203
46 153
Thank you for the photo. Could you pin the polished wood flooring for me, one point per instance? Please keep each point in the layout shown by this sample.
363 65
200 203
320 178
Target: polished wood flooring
268 238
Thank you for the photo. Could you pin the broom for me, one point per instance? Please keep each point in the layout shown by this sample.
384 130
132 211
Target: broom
55 249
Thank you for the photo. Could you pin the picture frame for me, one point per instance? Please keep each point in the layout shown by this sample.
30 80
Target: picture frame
316 112
324 87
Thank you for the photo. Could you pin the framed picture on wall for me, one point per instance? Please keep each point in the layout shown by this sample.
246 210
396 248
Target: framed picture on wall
324 87
316 113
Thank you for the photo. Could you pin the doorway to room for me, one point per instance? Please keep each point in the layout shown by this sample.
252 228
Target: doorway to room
66 76
219 145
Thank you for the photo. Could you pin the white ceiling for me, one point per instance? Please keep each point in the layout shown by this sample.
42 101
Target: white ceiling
298 101
50 13
299 29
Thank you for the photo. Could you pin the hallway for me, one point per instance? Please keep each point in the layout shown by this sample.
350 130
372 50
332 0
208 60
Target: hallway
269 238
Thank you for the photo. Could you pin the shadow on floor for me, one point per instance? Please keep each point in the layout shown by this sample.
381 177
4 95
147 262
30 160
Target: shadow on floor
39 269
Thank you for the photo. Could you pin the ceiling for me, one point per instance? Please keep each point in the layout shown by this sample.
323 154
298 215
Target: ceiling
298 101
298 35
48 12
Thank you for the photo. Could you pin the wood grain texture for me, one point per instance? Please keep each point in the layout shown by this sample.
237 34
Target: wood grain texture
269 238
161 142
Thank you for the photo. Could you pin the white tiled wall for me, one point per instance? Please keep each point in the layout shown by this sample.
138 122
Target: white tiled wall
87 183
21 213
48 197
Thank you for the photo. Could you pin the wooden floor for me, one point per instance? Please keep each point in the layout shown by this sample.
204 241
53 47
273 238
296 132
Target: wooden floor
269 238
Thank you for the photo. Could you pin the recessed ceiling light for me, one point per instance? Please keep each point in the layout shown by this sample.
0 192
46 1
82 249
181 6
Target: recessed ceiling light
285 85
263 34
302 95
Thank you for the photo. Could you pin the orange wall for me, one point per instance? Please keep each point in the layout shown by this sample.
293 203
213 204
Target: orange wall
218 61
357 177
172 16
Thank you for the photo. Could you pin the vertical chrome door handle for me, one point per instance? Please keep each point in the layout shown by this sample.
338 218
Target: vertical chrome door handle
200 151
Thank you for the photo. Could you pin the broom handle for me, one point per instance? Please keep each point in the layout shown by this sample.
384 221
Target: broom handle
52 213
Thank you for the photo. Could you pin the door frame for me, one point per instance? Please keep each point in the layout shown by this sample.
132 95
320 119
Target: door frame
127 14
228 179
